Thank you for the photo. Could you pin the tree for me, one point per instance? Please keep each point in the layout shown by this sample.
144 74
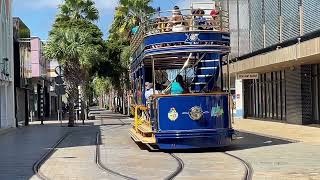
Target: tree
129 13
78 9
77 44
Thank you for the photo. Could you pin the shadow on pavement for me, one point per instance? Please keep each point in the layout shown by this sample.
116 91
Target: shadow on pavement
23 147
243 140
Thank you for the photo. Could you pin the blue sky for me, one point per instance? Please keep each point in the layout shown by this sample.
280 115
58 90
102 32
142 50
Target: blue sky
39 15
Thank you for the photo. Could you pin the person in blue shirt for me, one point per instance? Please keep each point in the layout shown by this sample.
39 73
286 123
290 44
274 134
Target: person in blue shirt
200 21
177 87
134 30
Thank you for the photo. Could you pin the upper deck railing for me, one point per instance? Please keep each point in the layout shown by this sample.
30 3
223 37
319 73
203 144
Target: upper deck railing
182 20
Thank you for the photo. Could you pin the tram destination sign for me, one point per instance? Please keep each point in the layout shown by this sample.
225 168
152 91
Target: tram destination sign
248 76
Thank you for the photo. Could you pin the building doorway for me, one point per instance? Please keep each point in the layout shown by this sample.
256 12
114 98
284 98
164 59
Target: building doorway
265 97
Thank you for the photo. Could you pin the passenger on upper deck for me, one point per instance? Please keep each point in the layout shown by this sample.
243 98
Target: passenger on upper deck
176 21
215 19
200 21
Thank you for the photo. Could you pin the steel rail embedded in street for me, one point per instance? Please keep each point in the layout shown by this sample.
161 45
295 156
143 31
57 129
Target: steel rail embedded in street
179 168
37 165
248 169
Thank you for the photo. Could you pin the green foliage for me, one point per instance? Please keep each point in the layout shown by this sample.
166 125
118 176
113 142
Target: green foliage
76 42
78 9
101 85
129 13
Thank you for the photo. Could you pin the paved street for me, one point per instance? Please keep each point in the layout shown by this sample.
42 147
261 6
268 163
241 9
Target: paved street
75 157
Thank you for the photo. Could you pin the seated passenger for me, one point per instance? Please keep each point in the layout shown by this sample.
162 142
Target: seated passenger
215 19
177 87
134 30
164 87
200 21
176 21
149 90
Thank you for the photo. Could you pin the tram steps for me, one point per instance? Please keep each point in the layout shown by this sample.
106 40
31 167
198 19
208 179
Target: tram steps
139 138
145 129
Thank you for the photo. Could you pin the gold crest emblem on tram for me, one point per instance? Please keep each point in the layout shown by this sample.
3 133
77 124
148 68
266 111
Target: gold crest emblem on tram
173 114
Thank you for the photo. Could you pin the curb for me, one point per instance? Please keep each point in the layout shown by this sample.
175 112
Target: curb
6 130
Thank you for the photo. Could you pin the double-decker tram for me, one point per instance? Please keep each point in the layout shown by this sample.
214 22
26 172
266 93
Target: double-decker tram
181 99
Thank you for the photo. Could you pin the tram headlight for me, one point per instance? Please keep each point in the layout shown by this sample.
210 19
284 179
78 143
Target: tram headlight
196 113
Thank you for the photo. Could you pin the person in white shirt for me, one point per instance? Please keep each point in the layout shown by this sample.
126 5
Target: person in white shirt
149 90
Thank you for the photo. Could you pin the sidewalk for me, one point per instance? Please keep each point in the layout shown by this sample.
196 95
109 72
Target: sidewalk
287 161
21 147
286 131
6 130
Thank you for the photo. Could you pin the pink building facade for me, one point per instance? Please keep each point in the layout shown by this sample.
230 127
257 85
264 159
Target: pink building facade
42 75
38 62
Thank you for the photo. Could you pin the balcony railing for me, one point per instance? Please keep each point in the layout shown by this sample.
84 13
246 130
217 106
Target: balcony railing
183 20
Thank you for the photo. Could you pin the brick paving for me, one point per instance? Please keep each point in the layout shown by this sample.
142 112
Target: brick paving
75 158
289 131
210 165
287 161
121 154
271 158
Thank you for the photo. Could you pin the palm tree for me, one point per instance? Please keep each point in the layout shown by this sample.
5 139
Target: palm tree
78 9
128 14
67 46
75 42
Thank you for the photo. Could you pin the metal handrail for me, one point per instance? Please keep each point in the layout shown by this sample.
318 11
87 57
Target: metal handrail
189 22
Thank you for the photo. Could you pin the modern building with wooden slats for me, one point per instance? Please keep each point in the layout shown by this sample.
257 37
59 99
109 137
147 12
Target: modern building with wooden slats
279 40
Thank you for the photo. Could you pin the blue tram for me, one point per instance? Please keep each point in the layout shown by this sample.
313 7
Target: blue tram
200 116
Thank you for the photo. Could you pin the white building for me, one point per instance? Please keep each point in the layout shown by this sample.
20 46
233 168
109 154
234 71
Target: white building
7 117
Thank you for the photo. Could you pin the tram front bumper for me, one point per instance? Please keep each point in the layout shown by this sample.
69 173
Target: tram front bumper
194 139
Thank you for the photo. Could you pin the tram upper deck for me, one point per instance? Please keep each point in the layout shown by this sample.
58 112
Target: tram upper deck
170 36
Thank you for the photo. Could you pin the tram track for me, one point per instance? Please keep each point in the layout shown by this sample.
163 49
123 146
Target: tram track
247 174
248 169
37 165
102 166
110 171
98 152
179 168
